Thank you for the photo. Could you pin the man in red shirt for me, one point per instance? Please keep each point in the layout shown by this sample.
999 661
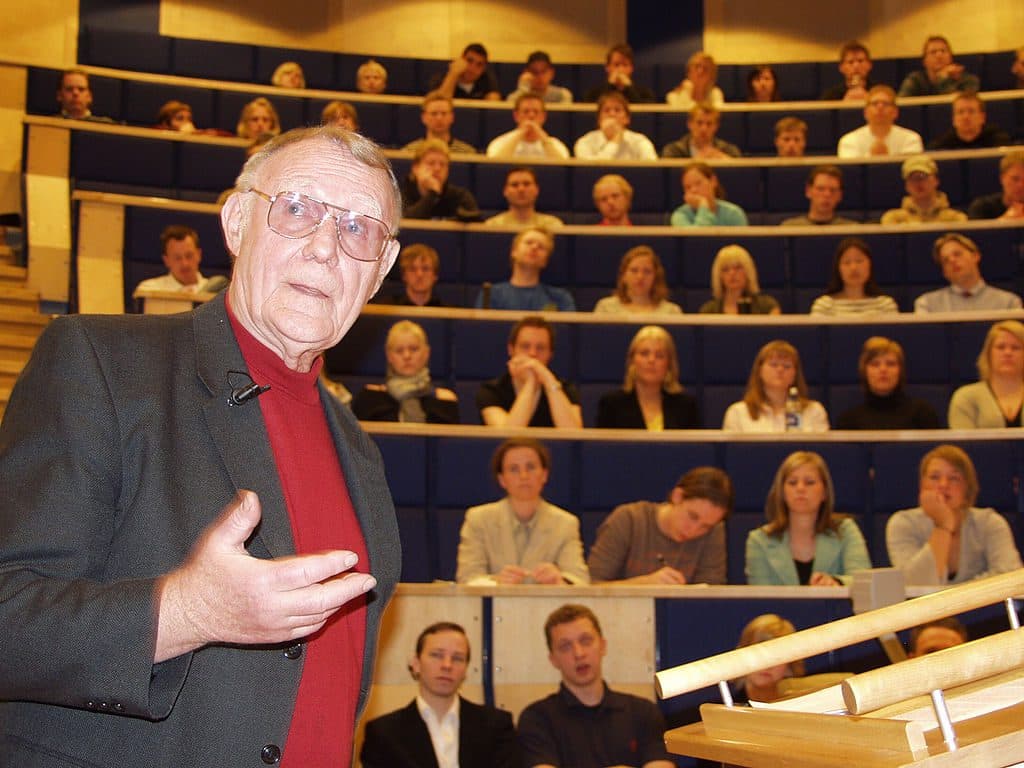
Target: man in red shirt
145 626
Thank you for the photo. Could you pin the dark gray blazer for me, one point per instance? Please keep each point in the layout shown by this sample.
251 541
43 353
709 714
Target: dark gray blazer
117 449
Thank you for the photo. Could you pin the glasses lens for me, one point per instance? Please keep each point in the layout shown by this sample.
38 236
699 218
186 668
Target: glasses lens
296 216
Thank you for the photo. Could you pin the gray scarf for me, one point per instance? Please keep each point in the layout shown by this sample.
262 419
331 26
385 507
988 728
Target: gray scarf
408 390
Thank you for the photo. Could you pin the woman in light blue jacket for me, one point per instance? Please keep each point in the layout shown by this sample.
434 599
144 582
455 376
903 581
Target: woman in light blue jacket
804 540
702 203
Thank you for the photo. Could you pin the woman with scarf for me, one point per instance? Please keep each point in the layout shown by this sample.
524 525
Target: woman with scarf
408 394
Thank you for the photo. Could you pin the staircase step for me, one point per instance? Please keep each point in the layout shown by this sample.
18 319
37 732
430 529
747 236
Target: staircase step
13 275
16 296
16 346
24 322
9 371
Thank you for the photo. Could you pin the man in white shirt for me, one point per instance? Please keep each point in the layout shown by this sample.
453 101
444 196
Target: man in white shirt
181 255
521 191
960 257
881 135
613 140
439 727
528 139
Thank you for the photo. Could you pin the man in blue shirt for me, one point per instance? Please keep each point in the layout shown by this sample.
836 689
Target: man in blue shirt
524 291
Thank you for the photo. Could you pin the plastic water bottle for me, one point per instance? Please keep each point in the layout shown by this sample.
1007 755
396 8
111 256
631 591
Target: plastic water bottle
794 416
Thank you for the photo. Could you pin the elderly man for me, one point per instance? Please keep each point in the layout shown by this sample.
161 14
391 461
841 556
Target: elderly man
188 611
521 191
426 191
702 141
824 192
613 196
528 138
923 202
529 394
524 291
970 129
181 255
1008 204
586 723
790 137
960 260
439 727
880 135
469 76
74 95
854 66
437 113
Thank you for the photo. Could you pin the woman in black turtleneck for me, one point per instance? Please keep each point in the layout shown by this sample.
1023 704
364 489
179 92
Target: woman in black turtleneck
882 369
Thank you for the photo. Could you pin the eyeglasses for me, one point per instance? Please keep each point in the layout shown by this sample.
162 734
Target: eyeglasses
295 216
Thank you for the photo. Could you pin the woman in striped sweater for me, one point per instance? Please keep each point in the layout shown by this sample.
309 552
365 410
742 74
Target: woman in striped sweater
851 289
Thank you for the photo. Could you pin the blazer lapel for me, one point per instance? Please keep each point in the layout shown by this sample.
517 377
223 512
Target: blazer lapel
238 432
418 737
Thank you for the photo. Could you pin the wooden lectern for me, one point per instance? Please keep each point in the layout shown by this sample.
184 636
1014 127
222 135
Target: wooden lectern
963 706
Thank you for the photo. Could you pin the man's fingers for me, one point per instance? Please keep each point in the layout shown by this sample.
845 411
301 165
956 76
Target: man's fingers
315 604
236 522
290 573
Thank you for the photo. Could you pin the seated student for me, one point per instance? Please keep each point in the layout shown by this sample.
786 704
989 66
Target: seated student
1017 68
439 727
371 77
855 67
679 541
851 289
419 265
940 73
775 372
804 540
763 685
288 74
997 399
613 196
408 395
536 78
960 260
426 193
641 286
790 137
524 291
883 375
936 635
528 394
74 96
947 540
703 205
701 140
528 139
824 192
698 85
1009 203
619 70
257 118
521 539
181 255
734 286
970 129
469 76
924 202
586 723
340 113
613 140
521 191
880 135
437 113
175 116
651 396
762 85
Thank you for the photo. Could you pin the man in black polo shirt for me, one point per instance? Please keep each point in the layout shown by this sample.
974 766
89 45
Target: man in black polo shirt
586 724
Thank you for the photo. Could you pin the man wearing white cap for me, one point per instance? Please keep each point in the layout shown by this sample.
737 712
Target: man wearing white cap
923 201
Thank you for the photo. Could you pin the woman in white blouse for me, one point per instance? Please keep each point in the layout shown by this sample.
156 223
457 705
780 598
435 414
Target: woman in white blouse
763 408
852 289
699 84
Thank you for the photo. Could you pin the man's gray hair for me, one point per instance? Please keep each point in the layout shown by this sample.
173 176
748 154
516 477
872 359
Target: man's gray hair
361 148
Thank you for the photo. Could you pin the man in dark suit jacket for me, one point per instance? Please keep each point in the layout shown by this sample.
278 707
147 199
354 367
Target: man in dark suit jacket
143 626
439 728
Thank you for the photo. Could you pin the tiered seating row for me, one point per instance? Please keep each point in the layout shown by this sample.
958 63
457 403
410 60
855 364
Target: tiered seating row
150 52
714 359
395 123
435 478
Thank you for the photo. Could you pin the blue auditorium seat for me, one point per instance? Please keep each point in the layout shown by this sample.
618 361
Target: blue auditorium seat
919 343
699 253
784 188
361 352
405 462
208 167
125 49
729 351
142 161
883 186
553 181
742 185
967 339
415 532
655 190
821 132
449 247
142 102
487 258
213 60
798 81
596 257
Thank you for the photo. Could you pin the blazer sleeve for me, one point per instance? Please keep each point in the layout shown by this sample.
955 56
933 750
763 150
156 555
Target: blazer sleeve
853 551
758 567
963 410
473 561
909 550
570 554
70 636
712 565
1001 555
610 551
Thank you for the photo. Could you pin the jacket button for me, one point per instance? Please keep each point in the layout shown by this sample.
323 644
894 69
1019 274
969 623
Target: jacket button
270 754
293 651
90 705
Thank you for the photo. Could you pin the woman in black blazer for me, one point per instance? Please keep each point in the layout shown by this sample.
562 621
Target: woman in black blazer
651 396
